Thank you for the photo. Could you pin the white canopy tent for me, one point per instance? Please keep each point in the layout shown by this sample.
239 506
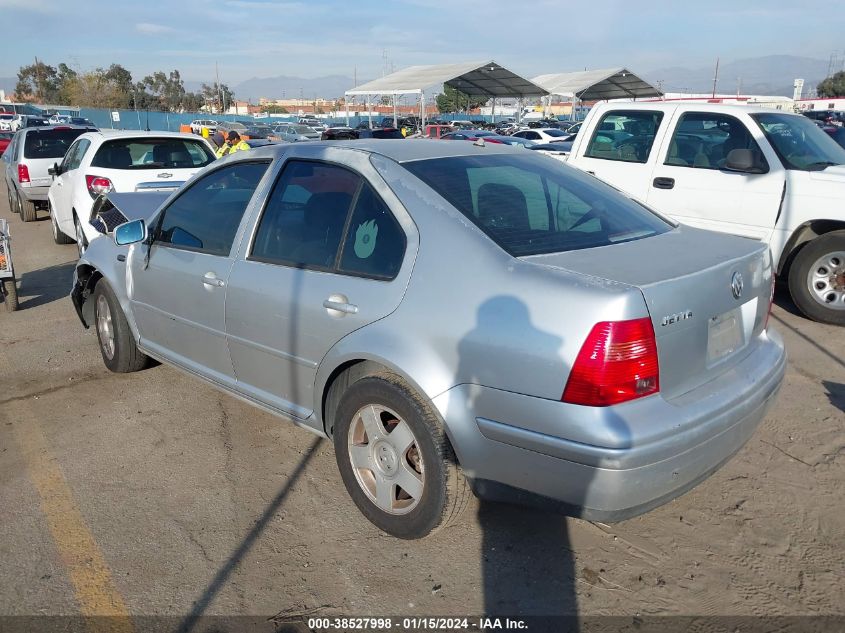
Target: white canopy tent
478 79
597 85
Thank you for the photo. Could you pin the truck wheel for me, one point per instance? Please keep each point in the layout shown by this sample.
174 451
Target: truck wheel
58 236
395 460
28 211
117 345
10 294
817 278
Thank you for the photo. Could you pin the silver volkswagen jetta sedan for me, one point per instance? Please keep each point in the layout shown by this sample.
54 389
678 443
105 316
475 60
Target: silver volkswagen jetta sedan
453 316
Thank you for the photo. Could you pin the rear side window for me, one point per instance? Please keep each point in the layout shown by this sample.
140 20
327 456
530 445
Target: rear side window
326 217
703 140
625 135
152 153
206 217
529 207
305 217
48 143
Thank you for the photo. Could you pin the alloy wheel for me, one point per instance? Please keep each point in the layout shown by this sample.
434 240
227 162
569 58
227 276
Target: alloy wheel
105 327
386 459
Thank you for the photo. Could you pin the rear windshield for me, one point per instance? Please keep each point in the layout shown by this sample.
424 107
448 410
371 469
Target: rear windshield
152 153
48 143
387 134
529 205
300 129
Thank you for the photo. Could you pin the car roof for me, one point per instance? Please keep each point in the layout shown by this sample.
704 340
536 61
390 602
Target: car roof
707 107
399 150
117 134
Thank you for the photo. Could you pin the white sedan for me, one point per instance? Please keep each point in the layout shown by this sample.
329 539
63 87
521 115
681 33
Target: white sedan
117 160
542 135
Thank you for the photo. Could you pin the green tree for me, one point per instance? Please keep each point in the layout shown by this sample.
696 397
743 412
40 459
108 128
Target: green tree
453 100
218 97
120 80
832 86
37 82
276 109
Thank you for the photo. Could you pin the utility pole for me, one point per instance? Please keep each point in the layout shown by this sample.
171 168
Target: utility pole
716 78
219 92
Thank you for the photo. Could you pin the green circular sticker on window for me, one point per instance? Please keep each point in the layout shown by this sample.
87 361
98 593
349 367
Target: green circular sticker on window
365 239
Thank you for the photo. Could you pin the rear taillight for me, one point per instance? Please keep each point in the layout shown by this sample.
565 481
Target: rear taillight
617 363
23 173
98 185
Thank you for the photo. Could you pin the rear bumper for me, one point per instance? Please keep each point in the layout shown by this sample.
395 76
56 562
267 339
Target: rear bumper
641 454
34 194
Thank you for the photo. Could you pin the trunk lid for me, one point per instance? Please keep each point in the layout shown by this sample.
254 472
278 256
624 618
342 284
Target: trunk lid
688 278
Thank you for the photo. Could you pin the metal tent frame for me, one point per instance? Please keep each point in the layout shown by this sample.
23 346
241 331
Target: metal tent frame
479 79
597 85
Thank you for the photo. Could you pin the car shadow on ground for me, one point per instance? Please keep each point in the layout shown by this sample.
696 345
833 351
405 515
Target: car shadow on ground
45 285
194 619
835 393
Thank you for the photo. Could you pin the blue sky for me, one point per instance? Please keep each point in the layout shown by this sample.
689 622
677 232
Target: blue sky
262 38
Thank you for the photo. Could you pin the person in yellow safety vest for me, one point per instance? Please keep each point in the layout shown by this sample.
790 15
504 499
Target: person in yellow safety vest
233 144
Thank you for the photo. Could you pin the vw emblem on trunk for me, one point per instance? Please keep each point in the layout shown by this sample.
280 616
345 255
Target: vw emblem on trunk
736 285
164 174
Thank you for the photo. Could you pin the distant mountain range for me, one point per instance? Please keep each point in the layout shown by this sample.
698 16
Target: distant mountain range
769 75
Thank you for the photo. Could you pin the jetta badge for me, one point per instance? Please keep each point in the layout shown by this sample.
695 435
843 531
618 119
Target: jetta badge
736 285
164 174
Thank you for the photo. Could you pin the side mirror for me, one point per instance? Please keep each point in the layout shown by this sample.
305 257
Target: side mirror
130 233
55 170
746 161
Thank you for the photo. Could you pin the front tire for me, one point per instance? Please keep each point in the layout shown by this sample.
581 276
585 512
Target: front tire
58 236
28 211
395 460
817 279
117 345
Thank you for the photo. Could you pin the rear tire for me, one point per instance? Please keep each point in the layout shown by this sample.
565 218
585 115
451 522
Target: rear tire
58 236
28 211
10 294
371 411
81 240
11 200
817 279
117 345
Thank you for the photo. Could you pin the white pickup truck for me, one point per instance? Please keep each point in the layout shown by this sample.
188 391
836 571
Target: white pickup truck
754 172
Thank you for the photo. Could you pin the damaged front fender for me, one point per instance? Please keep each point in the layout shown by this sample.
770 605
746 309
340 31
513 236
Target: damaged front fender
84 279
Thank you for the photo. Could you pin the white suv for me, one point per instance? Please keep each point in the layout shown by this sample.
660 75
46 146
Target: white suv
198 124
118 160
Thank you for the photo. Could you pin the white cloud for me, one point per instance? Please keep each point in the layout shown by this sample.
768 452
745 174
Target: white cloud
148 28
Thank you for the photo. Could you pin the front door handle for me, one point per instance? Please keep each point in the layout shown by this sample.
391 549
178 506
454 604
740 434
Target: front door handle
340 305
210 279
663 183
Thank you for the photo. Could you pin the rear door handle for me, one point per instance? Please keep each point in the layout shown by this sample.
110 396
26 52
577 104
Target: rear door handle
210 279
664 183
340 306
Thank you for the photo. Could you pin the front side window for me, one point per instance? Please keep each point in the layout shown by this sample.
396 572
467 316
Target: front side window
799 142
625 135
206 217
529 207
75 154
703 140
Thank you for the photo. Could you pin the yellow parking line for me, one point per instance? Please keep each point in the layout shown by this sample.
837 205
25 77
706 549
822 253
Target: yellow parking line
92 582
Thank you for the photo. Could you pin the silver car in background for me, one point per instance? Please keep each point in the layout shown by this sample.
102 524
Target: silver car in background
453 316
